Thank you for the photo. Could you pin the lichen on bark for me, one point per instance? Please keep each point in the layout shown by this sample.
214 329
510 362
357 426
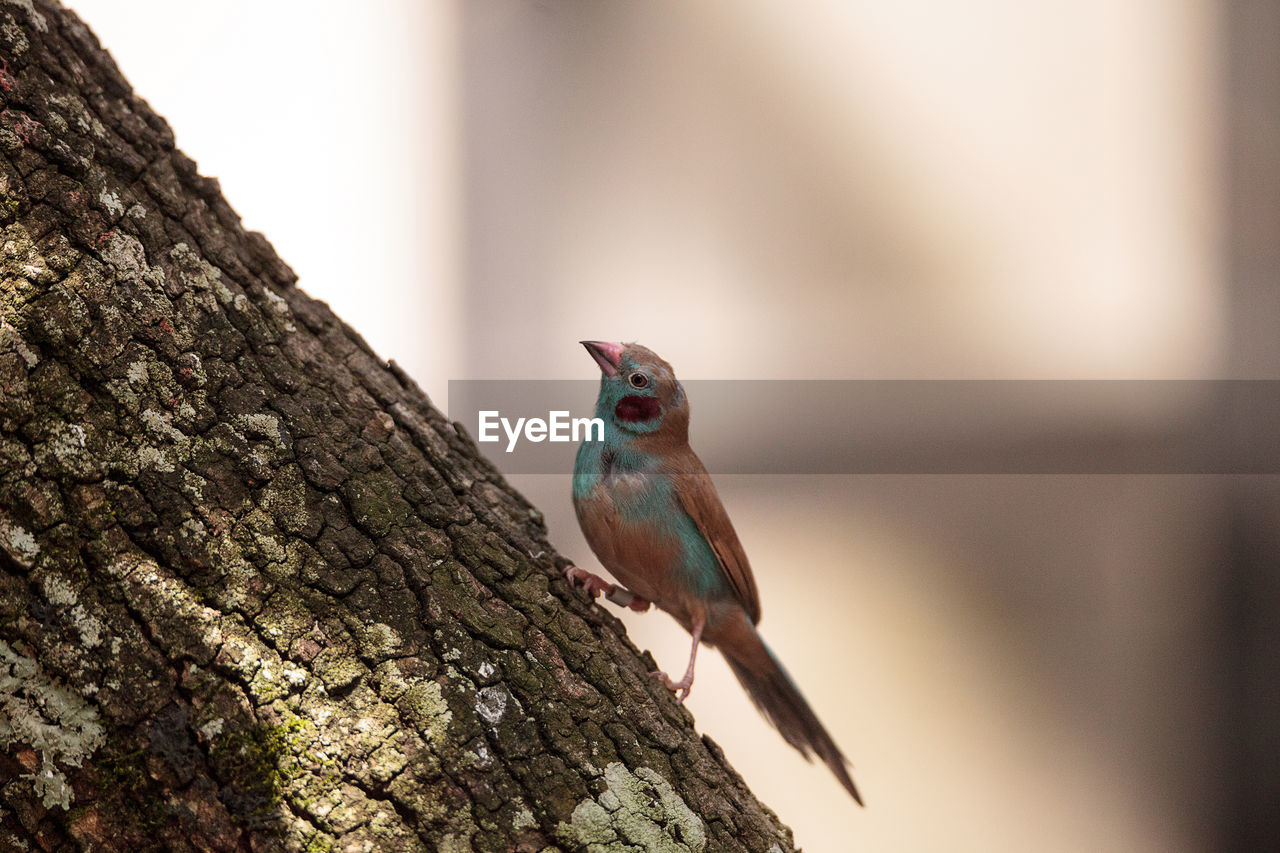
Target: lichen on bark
255 591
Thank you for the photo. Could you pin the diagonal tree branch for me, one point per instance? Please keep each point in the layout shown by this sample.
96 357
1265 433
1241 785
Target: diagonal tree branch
255 592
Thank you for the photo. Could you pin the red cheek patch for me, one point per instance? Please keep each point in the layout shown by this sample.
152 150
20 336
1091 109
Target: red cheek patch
634 409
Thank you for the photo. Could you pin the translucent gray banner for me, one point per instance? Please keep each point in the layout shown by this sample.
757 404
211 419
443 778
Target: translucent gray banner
908 426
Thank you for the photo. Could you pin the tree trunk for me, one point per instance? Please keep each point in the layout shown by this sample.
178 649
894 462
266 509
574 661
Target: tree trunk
255 592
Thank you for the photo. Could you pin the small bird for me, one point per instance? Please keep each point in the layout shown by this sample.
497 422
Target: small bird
651 514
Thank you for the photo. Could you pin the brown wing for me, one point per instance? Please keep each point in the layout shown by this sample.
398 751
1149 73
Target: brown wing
699 498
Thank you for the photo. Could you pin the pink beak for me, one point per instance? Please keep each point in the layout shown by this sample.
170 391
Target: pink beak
607 355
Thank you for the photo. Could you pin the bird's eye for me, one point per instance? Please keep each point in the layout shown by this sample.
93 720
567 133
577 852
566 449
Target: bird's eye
638 380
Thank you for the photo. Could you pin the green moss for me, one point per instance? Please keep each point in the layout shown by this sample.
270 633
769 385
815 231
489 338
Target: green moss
256 764
338 671
375 503
285 499
286 617
319 843
134 797
423 704
638 809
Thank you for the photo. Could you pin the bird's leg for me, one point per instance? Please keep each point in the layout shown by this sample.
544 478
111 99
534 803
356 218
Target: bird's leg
594 585
684 686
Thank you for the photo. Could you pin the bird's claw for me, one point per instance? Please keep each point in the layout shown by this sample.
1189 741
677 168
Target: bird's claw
681 688
595 585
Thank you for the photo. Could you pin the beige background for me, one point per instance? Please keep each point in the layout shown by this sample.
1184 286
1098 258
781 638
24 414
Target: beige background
860 189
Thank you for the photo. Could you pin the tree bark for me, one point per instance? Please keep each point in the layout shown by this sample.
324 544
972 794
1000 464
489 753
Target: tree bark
255 592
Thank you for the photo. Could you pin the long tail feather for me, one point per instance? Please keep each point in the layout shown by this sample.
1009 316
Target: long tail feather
778 698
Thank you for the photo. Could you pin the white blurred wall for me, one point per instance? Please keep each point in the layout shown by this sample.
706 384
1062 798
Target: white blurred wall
867 189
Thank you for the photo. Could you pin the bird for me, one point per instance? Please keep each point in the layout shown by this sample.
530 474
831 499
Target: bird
652 516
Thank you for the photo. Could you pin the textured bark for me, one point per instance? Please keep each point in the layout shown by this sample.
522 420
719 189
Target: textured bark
255 592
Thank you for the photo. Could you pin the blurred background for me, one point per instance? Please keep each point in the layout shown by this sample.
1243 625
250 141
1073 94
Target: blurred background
855 189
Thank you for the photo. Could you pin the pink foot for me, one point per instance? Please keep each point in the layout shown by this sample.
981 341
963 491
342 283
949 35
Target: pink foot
681 688
595 585
684 686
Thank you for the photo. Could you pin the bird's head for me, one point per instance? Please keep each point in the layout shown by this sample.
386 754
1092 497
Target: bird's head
638 390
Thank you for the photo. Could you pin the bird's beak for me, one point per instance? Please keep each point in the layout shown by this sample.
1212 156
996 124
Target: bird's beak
607 355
